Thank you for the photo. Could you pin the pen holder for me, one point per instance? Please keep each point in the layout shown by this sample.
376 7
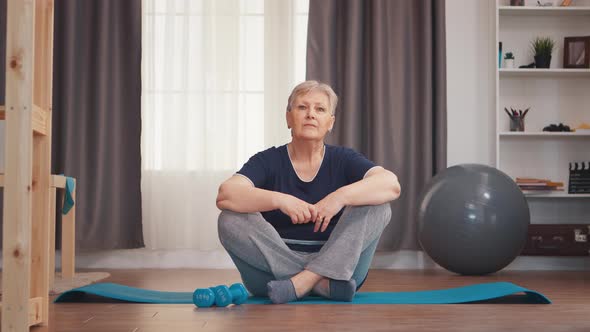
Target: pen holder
516 123
516 118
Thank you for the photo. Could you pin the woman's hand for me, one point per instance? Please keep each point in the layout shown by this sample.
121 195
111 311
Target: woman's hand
326 209
298 210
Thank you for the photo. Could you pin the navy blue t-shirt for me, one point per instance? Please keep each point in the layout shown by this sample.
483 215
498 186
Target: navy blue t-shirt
272 170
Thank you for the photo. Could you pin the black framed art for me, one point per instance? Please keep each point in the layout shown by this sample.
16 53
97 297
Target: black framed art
576 52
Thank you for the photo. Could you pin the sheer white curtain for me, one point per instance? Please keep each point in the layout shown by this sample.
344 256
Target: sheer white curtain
216 75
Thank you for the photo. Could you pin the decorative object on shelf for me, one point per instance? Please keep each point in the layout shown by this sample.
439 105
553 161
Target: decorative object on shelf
516 118
565 3
509 60
538 185
579 180
544 4
584 128
516 2
558 128
542 48
500 55
530 65
576 52
557 240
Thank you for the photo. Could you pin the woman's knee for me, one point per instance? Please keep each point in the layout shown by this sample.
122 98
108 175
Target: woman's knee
229 224
236 228
381 212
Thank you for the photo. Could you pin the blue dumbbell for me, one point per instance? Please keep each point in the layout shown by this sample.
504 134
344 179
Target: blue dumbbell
235 294
221 296
239 293
203 297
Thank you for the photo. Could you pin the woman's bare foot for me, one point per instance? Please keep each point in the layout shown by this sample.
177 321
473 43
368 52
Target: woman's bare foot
304 282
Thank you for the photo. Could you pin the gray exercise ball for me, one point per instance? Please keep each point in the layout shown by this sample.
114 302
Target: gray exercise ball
473 219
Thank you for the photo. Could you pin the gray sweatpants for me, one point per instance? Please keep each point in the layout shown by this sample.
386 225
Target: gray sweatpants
261 255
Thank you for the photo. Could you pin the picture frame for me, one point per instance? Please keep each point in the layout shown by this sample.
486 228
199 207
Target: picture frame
576 52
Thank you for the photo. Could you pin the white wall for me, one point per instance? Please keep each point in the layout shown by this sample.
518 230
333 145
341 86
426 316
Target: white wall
470 94
470 81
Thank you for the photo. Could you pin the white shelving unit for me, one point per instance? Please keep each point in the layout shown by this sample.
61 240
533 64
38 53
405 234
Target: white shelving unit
532 10
542 134
538 72
555 195
554 95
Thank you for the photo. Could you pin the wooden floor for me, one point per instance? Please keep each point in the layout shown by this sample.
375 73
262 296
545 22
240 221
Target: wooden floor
569 291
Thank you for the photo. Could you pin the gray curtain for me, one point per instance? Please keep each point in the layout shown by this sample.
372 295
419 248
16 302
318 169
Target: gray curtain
386 61
97 117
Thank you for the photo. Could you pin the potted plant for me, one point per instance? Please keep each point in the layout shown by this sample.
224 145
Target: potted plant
542 48
509 60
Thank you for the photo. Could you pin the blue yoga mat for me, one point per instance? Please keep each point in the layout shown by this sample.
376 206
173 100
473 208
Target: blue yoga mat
465 294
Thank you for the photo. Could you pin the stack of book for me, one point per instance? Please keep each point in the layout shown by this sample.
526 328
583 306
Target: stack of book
584 128
538 185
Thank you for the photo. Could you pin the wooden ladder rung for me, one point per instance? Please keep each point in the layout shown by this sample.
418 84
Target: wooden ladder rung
57 181
39 120
35 306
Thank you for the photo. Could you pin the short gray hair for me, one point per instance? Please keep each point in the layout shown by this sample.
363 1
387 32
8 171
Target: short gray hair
308 86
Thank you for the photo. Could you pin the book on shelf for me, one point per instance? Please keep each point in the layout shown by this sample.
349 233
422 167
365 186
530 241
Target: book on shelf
584 128
540 188
530 180
534 184
565 3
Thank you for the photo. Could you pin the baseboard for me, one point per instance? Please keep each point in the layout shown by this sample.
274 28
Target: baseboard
408 259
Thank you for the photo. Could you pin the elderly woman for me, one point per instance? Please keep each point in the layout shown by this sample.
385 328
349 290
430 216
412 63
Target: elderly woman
305 216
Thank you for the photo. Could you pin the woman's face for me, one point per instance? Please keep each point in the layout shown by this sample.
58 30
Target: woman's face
310 117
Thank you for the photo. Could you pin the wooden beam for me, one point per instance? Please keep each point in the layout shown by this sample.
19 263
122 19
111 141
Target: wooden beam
35 309
68 240
41 246
40 120
40 221
57 181
52 226
16 253
43 56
